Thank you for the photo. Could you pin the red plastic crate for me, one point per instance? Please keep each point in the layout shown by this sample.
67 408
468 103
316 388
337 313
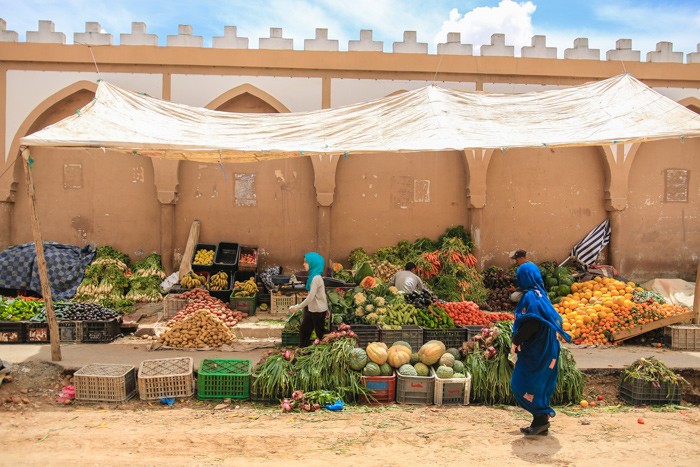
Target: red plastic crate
383 387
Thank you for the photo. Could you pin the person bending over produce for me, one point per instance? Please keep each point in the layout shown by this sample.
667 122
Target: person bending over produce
407 281
535 342
520 257
314 315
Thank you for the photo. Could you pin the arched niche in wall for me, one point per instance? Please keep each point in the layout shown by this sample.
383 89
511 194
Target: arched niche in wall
692 103
247 98
53 109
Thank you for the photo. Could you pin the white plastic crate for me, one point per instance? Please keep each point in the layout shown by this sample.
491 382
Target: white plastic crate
452 391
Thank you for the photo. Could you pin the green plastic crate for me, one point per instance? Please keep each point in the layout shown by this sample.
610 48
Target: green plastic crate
224 379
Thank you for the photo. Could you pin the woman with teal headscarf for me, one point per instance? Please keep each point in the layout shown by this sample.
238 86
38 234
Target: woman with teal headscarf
315 305
535 341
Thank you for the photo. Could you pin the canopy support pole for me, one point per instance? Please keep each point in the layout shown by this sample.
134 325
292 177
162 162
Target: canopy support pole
54 336
696 300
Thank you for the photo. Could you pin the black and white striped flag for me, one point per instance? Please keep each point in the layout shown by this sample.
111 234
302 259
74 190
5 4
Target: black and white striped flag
588 249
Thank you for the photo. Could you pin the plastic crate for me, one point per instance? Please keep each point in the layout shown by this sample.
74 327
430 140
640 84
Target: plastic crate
408 333
224 379
472 331
281 303
291 339
12 332
98 382
415 389
452 391
37 333
172 303
452 337
366 333
222 295
244 304
70 331
640 392
203 246
383 388
256 396
248 250
167 377
101 331
226 254
683 336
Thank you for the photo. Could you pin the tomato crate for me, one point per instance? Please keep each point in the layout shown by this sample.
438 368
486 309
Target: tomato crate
366 333
224 379
452 391
415 389
683 336
37 332
281 303
12 332
452 337
101 331
70 331
383 388
172 303
291 339
99 382
167 377
247 258
641 392
408 333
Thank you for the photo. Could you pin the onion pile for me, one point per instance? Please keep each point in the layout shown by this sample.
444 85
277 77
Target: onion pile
199 299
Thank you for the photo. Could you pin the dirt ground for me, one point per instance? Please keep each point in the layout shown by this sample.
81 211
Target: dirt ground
38 430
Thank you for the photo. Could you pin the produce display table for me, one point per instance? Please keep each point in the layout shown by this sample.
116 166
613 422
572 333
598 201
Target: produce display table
624 334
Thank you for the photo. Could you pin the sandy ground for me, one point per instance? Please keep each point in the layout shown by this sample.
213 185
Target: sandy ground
36 430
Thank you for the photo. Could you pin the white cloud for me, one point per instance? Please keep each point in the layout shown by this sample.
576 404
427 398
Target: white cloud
476 26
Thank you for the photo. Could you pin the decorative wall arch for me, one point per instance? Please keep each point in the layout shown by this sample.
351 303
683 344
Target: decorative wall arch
253 91
693 103
8 186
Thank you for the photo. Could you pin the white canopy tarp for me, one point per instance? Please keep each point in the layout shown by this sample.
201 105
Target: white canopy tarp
620 109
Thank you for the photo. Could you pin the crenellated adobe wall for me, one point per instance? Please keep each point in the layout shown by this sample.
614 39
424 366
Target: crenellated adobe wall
540 199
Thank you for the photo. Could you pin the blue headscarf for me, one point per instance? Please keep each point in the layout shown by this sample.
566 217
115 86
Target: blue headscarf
535 303
316 265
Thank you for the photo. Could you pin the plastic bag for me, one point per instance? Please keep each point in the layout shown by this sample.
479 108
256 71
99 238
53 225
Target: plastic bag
336 406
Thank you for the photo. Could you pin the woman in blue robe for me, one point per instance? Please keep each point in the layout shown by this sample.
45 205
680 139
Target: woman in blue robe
535 342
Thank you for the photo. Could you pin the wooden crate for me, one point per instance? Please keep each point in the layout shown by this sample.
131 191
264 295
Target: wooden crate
637 330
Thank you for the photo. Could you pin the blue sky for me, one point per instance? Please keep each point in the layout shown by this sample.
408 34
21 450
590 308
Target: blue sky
646 22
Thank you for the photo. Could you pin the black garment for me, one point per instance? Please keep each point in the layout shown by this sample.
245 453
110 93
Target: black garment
311 322
528 329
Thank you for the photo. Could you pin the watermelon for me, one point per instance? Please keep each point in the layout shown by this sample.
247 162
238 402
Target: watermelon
458 375
385 370
371 369
551 282
561 272
415 358
421 369
407 370
454 352
447 359
458 366
358 359
563 290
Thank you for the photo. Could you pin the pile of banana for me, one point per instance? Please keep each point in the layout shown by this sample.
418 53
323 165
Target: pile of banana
219 281
193 280
204 257
245 289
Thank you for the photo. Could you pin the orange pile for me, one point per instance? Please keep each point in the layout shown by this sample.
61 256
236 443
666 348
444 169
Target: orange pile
598 308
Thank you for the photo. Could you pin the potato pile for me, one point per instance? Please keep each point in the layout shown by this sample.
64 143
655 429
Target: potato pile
201 329
198 299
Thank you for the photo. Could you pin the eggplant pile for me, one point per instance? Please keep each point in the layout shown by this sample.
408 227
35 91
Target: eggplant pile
422 299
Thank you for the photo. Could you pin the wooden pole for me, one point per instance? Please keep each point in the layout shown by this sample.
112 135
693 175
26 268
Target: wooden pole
696 300
54 335
186 263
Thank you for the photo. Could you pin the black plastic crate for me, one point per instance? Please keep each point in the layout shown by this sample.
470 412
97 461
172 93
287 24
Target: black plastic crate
203 267
640 392
70 331
251 250
12 332
226 254
472 331
452 337
408 333
366 333
101 331
291 339
222 295
37 332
